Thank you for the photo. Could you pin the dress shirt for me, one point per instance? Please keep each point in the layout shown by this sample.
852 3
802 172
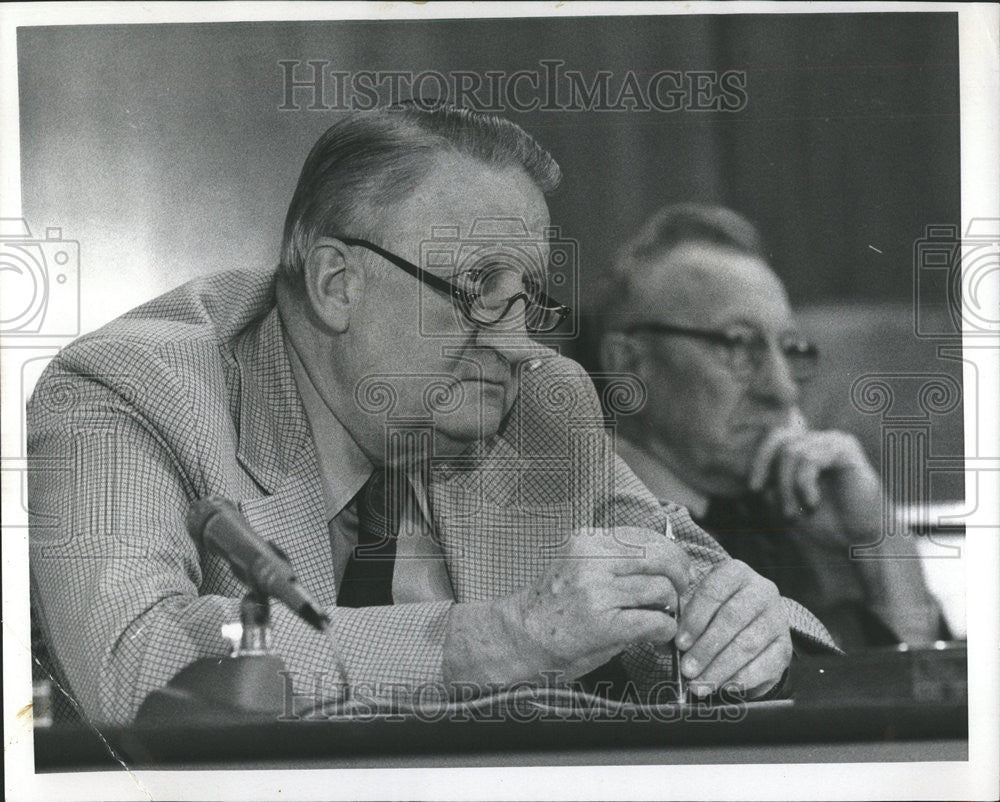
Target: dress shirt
419 571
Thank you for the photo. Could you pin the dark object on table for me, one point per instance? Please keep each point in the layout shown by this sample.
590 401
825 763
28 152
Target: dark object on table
892 677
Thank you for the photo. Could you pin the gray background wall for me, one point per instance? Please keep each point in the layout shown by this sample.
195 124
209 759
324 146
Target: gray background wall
163 151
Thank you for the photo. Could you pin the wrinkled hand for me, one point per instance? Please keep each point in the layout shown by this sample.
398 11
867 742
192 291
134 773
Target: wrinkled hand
818 477
734 632
584 609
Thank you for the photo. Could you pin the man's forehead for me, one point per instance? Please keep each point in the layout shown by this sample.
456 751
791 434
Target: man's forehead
467 194
707 284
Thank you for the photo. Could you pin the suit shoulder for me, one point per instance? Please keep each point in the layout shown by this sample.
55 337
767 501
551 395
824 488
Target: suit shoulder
202 314
175 340
215 307
551 383
549 362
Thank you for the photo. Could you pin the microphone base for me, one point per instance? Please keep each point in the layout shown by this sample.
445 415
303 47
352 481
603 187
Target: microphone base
219 690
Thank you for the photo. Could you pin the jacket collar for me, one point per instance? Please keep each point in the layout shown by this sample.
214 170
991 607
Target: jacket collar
277 450
274 438
343 466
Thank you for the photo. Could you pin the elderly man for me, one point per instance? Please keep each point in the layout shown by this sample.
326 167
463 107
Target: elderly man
705 323
516 545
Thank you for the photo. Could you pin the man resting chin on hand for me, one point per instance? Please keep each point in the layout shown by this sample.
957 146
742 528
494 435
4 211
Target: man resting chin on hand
705 323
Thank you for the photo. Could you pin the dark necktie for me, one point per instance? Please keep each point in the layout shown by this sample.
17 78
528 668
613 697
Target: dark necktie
367 580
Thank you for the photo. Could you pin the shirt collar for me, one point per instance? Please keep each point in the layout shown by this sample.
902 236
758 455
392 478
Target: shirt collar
343 466
658 478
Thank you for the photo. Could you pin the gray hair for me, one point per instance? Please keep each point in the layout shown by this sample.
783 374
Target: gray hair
369 161
671 227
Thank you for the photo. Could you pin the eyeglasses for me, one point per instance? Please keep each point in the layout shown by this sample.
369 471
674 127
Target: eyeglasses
482 294
746 351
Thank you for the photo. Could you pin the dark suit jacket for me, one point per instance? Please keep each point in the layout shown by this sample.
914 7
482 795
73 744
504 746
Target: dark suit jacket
824 579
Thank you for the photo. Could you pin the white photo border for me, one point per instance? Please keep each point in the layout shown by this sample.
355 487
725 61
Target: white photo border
980 90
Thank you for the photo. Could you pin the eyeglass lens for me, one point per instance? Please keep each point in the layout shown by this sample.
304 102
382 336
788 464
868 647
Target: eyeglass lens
749 355
494 290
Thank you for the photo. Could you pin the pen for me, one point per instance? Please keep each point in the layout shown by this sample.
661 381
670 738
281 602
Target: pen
675 652
678 677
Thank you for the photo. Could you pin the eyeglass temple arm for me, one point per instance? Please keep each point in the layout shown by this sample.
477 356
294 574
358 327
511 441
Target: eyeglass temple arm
802 347
438 283
665 328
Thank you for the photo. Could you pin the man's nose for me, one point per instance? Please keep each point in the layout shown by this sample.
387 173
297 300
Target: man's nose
774 379
509 338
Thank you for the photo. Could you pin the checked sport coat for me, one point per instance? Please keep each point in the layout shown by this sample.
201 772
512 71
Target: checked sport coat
192 394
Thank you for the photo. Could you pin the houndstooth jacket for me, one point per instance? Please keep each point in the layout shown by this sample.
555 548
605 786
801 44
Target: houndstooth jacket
192 394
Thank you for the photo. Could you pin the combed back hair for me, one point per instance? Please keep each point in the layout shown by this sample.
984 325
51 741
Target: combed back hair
671 227
368 161
683 223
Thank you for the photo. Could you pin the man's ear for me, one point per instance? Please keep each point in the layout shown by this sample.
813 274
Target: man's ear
332 282
619 353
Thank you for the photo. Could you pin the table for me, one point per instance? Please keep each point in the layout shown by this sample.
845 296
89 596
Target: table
885 705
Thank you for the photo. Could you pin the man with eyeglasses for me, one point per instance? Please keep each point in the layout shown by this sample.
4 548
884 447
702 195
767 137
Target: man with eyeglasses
705 323
378 410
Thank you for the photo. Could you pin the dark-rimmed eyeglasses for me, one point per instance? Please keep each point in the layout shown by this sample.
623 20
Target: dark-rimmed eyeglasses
745 351
482 294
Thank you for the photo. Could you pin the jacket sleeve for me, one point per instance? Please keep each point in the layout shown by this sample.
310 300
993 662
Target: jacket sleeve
116 577
650 668
631 504
619 498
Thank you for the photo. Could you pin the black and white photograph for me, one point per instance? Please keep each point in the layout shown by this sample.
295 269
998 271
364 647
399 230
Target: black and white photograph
500 401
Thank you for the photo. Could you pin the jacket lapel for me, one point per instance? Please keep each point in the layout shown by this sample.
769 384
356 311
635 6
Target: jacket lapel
273 426
276 448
